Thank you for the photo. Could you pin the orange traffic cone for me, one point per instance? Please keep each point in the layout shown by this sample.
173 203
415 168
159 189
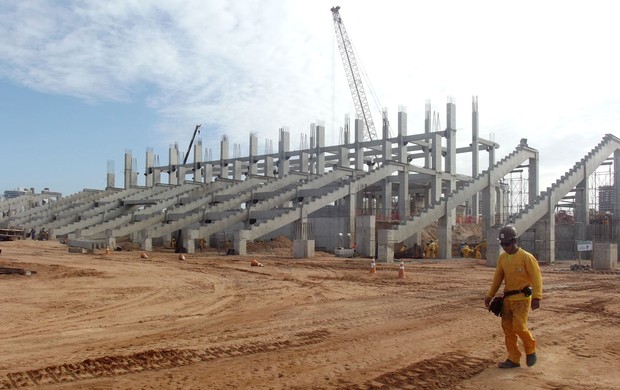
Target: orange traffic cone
143 255
401 271
255 263
373 267
181 257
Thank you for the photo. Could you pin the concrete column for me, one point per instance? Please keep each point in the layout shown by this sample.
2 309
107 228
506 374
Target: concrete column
352 211
110 178
359 151
428 123
365 235
128 169
386 145
446 222
197 177
304 162
320 154
283 149
253 161
343 156
173 163
386 195
532 179
269 166
237 169
240 242
436 166
224 169
402 131
616 220
208 172
581 208
148 169
475 155
385 238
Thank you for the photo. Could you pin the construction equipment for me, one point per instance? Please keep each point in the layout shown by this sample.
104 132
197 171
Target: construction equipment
353 76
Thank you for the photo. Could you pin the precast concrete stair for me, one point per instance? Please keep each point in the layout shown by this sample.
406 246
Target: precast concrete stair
21 203
43 214
221 201
155 202
155 214
547 199
105 209
329 195
271 201
457 197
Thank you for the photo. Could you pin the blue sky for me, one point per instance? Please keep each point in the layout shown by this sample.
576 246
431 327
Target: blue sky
82 82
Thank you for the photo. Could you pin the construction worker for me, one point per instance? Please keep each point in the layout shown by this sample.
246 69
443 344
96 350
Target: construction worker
519 271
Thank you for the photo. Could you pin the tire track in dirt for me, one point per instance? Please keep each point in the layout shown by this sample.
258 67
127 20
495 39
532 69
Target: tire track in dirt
445 371
151 360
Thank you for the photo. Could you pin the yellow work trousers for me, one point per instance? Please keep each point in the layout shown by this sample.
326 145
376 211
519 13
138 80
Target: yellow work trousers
514 323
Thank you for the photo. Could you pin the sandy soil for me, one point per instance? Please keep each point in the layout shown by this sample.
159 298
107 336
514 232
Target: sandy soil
115 321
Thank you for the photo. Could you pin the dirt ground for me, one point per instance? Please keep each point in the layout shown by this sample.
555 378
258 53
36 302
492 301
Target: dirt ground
116 321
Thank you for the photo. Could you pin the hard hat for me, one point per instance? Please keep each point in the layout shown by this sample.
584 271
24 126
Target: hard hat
508 232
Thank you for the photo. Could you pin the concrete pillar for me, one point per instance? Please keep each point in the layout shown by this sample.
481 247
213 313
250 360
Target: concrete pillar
359 151
110 179
237 169
581 209
475 155
252 159
428 122
173 163
304 162
343 156
533 170
320 154
283 149
386 145
385 238
616 220
447 222
128 169
436 166
208 172
240 242
148 169
189 240
270 169
147 244
224 169
197 177
386 198
365 235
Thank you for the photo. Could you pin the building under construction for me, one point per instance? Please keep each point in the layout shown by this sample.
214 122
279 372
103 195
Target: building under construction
369 194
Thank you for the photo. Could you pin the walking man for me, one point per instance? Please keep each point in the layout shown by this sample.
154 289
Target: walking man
519 271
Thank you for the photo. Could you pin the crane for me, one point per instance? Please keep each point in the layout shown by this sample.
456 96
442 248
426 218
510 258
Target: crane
353 76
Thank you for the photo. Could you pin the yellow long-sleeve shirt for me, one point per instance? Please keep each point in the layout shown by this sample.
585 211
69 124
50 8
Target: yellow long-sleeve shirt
518 270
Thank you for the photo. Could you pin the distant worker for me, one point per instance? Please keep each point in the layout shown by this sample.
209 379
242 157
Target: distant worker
519 271
33 234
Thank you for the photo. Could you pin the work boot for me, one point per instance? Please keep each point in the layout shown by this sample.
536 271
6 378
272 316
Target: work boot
508 364
530 359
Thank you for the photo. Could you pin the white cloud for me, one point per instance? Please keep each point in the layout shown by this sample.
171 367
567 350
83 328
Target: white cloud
546 71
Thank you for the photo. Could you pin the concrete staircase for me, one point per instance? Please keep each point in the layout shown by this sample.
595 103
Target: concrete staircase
327 195
552 195
438 209
270 201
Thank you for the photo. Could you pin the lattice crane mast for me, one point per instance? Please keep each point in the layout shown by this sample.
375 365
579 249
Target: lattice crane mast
353 76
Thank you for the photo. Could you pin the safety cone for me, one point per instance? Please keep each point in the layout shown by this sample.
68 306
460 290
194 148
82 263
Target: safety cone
181 257
373 267
144 255
255 263
401 271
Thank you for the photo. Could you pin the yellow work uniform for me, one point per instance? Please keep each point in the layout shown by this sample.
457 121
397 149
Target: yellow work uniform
517 271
